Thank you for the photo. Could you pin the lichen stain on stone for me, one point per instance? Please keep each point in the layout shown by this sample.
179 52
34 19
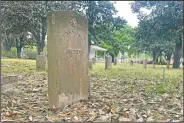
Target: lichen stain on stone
67 99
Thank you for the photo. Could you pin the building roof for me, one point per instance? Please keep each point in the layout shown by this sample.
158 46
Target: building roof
94 47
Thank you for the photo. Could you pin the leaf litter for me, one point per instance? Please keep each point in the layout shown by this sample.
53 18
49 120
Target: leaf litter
113 100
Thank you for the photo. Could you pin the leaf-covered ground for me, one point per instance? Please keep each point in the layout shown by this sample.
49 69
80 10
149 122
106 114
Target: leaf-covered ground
123 93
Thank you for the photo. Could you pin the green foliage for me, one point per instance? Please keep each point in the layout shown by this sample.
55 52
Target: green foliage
123 41
31 55
31 52
28 49
163 61
10 54
161 30
102 21
28 16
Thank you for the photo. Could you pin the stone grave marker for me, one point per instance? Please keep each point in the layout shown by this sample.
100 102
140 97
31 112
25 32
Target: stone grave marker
93 60
90 64
40 62
145 63
45 55
108 62
115 61
67 48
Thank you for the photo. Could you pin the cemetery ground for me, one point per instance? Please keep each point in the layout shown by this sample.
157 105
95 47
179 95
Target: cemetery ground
122 93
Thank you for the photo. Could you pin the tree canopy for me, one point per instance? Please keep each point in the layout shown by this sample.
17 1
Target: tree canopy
27 16
161 30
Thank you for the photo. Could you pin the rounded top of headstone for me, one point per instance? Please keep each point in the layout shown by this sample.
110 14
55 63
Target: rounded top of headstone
66 11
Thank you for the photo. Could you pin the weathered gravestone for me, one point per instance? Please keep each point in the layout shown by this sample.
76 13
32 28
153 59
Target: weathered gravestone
145 63
90 64
108 62
93 60
115 61
131 62
40 62
67 37
45 55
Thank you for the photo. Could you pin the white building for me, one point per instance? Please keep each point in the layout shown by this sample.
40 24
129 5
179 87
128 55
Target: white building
93 51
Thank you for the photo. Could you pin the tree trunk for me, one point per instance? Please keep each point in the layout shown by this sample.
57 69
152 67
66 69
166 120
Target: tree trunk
168 59
40 38
6 45
154 54
18 52
161 59
155 57
19 45
40 45
154 60
43 31
112 57
177 53
153 65
168 63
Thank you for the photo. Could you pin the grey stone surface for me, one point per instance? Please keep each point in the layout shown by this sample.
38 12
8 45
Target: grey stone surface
67 43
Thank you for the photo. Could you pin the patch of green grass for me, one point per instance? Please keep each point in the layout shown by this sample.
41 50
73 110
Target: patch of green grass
153 77
125 71
18 66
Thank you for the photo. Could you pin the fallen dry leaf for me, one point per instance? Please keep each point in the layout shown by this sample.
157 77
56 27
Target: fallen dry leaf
113 110
124 119
10 114
92 116
7 120
126 114
110 100
31 118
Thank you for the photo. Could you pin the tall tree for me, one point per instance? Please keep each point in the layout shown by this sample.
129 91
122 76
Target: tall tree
101 21
123 41
163 24
100 16
16 21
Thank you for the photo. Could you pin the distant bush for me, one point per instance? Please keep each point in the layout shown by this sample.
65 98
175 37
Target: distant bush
31 52
163 61
10 54
31 55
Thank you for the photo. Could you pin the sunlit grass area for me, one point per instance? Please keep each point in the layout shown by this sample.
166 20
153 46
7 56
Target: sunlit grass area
18 66
157 80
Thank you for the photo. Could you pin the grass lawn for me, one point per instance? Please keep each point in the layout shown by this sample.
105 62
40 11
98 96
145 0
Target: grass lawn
122 93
